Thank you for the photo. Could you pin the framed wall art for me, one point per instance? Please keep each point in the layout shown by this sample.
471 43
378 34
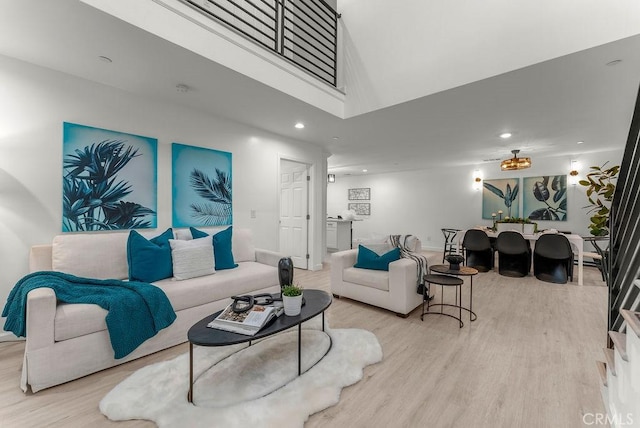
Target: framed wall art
500 195
360 194
108 179
545 197
202 190
360 208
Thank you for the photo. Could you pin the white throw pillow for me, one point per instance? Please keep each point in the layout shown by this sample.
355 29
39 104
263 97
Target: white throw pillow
192 258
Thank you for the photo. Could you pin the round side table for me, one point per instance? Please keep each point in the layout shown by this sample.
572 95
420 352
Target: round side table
443 281
463 271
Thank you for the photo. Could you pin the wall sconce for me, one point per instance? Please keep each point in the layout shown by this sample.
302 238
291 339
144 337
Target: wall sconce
573 173
331 178
477 180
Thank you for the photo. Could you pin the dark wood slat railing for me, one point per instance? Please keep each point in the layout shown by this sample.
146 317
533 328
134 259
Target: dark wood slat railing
304 32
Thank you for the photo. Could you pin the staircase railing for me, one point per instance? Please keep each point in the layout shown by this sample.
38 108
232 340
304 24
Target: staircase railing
304 32
624 244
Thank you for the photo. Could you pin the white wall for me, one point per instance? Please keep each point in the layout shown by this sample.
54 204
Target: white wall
422 202
34 102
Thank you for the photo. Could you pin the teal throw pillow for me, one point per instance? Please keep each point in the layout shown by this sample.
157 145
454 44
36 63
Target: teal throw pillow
222 253
149 259
368 259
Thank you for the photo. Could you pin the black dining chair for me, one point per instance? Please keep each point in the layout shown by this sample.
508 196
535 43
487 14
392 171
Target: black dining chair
553 259
601 255
514 254
450 245
478 250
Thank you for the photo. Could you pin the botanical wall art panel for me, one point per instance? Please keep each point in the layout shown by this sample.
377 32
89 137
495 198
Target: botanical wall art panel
108 180
360 208
545 197
500 195
360 194
201 186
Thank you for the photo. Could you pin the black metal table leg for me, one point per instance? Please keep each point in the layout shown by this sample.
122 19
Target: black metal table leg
190 395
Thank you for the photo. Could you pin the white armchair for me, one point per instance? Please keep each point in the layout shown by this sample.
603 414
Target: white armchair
394 290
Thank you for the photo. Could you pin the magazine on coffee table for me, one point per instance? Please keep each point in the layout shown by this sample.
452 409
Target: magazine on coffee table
249 322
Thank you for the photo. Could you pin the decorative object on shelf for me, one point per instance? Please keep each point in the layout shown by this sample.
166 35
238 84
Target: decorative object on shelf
201 186
292 299
499 194
285 271
103 172
515 162
600 189
331 178
360 194
545 197
454 261
360 208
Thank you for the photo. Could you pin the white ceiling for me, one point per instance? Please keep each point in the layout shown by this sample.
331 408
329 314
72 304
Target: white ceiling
548 106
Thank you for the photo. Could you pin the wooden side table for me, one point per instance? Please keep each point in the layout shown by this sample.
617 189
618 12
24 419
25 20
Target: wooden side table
443 281
463 271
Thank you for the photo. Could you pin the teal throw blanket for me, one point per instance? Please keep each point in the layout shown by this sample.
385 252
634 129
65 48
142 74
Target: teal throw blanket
137 310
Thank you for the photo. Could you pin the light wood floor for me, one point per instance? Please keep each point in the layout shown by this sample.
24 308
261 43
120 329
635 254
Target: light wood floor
528 361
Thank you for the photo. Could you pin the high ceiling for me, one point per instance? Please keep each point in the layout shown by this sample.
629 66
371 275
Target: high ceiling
548 107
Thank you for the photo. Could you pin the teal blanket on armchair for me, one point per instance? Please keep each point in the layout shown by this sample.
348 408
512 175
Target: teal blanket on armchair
137 310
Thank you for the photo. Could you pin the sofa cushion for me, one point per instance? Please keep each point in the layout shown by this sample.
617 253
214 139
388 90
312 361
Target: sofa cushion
368 259
370 278
222 251
245 279
192 258
149 259
77 254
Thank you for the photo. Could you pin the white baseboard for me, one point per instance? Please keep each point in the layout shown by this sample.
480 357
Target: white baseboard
7 336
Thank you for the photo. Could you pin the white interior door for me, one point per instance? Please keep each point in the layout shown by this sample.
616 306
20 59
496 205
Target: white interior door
294 190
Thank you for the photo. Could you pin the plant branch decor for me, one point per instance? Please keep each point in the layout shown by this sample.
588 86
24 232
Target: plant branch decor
600 189
546 197
499 195
202 190
101 170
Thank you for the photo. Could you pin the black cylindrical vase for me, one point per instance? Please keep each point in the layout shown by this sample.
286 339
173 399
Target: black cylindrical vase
285 271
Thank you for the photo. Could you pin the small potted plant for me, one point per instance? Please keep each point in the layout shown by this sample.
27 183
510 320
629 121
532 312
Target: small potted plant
292 299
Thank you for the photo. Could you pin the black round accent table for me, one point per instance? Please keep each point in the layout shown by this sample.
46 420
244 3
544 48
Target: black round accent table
443 281
463 271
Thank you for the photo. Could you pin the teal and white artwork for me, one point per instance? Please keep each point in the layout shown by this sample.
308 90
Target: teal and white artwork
545 197
500 195
202 193
108 180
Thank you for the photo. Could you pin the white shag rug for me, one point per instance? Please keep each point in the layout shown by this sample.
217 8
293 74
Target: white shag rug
240 386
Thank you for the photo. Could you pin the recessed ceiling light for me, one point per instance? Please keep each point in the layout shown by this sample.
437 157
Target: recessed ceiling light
614 62
505 135
299 125
335 138
105 59
364 170
580 142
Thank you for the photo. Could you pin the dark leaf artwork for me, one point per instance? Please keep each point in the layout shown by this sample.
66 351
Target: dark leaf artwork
549 191
93 196
217 191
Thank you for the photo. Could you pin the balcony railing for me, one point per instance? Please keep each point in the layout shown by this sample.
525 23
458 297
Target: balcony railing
303 31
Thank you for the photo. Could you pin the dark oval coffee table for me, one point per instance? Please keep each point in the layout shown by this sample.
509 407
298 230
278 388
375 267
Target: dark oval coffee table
316 302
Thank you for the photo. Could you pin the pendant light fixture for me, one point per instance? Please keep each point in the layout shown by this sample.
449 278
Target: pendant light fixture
515 162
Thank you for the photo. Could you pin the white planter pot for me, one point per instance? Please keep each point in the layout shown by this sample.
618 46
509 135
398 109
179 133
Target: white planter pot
292 305
528 228
501 227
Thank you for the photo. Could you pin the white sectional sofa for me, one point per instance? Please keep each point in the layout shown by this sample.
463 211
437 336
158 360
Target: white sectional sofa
394 290
68 341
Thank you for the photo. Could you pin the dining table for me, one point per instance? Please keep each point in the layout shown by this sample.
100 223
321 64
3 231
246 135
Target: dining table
576 241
